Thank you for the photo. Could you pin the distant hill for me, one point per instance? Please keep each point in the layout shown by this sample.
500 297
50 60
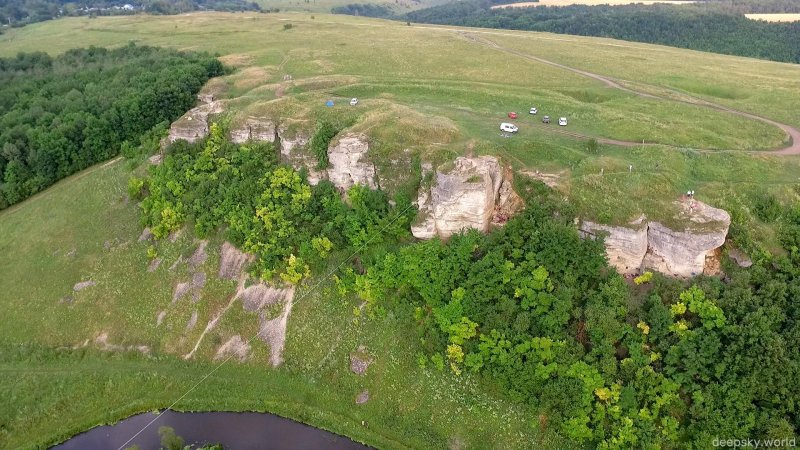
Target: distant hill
707 26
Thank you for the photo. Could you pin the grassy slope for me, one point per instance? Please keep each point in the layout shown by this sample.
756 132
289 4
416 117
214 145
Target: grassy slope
431 81
45 398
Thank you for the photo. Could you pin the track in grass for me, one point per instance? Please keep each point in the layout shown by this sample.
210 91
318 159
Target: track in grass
793 133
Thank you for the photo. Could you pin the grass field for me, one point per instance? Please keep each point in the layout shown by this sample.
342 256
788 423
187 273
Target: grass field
435 90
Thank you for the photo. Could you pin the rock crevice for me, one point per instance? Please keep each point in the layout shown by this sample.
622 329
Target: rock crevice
474 193
348 164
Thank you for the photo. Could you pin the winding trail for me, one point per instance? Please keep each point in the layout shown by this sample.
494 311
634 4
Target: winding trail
793 133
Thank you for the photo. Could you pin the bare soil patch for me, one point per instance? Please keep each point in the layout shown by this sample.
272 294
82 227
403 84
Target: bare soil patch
192 321
146 235
83 285
154 264
232 261
257 296
236 347
273 332
180 290
360 360
199 256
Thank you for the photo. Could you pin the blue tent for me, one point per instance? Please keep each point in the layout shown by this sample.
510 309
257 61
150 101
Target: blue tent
329 103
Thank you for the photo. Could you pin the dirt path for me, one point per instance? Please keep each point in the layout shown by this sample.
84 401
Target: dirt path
793 133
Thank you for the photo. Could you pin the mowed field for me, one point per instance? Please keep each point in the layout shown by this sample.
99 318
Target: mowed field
775 17
438 91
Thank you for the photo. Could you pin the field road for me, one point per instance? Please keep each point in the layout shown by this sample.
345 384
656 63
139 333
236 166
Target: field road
793 133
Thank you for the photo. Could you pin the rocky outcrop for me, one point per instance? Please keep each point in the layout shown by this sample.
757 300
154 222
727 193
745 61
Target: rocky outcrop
683 253
257 129
291 140
472 194
294 152
193 125
348 163
625 246
688 247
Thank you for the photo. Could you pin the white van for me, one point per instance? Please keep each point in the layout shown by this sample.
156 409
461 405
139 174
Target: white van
508 127
562 121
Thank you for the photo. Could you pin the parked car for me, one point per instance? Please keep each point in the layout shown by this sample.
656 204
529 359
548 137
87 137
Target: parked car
353 101
534 111
562 121
508 127
512 115
546 119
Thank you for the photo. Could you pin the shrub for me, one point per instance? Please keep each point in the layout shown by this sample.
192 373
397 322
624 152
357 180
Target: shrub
643 278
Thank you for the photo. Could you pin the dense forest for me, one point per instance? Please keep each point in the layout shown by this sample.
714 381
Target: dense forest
718 27
23 12
59 115
364 10
657 363
532 311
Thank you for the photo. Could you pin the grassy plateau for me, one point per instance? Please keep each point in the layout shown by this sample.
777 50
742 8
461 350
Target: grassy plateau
71 360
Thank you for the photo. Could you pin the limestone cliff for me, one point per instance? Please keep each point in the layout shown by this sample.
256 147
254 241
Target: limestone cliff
472 194
294 140
682 252
193 125
257 129
687 247
348 163
625 245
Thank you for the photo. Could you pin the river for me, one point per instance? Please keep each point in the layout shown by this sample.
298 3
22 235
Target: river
235 431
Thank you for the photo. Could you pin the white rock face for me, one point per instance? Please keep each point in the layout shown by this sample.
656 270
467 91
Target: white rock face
625 246
468 196
294 153
348 164
193 125
258 129
682 253
291 141
425 227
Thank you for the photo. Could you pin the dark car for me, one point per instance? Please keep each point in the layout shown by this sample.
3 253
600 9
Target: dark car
546 119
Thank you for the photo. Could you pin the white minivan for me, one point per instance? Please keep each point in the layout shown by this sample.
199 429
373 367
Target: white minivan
508 127
562 121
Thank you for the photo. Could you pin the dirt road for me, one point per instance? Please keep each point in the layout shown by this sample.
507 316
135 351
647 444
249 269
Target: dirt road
793 133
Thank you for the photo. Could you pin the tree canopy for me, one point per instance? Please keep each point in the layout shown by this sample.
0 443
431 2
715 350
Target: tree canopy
59 115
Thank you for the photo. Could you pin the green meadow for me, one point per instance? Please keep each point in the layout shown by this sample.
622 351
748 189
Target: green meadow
428 89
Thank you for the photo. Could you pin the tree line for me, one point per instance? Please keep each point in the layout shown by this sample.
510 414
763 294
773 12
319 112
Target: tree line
711 26
59 115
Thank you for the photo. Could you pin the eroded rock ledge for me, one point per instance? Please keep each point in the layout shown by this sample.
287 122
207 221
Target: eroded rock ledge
474 193
348 164
683 249
193 125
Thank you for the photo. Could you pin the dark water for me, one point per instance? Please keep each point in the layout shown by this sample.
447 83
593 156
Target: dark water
235 431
